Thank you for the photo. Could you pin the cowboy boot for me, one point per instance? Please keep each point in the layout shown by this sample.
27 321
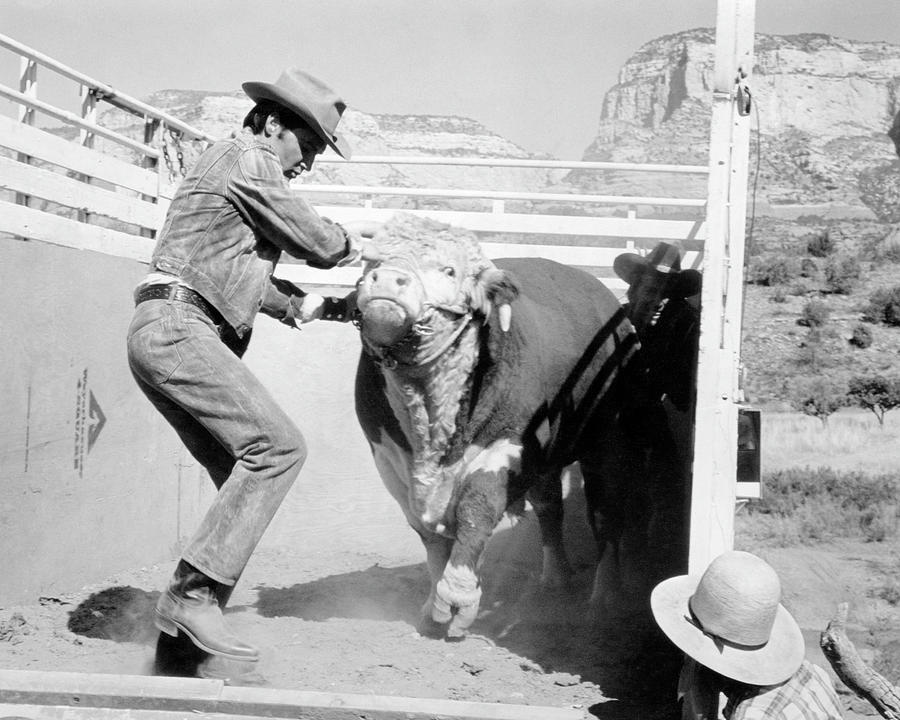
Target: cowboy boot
189 604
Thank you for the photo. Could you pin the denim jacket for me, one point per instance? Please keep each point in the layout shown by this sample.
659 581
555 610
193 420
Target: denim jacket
231 217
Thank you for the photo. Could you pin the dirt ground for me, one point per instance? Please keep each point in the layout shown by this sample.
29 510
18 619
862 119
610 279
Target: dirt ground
345 621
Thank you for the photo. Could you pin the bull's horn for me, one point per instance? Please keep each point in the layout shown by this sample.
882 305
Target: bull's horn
504 312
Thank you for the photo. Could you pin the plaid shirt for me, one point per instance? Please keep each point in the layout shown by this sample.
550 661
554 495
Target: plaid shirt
808 695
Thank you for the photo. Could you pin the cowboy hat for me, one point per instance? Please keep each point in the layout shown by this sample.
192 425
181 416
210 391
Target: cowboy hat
664 262
731 620
308 97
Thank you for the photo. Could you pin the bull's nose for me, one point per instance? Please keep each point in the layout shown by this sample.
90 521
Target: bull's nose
390 277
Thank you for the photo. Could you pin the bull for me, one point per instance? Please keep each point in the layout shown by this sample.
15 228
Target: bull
477 384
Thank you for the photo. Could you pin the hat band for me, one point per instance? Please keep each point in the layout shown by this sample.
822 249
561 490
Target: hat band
718 639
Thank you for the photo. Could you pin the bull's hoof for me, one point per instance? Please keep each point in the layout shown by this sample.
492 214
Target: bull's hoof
427 627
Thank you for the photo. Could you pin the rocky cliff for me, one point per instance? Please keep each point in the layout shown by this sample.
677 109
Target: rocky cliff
822 107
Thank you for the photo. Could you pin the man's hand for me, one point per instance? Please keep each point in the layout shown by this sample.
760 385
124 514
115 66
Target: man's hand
366 228
311 308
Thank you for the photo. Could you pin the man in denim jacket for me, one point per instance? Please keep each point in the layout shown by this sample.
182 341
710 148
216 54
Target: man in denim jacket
211 272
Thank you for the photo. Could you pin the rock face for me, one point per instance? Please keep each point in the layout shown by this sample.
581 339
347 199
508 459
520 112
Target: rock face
823 106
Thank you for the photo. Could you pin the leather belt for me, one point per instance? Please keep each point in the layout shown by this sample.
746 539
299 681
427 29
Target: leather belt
174 291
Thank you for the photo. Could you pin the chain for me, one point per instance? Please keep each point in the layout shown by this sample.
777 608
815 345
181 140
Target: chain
175 140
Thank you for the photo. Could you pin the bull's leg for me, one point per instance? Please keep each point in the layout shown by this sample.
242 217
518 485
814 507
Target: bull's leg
437 551
547 499
458 592
607 526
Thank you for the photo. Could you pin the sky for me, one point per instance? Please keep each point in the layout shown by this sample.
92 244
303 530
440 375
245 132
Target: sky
534 71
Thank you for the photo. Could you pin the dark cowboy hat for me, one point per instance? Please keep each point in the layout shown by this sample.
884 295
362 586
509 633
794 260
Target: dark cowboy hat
664 262
308 97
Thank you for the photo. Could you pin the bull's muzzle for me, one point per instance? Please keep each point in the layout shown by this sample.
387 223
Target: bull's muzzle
389 303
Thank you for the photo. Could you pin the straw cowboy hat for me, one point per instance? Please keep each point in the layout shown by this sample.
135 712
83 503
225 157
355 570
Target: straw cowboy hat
663 265
731 620
308 97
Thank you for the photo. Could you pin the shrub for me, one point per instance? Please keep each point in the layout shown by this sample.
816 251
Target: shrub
841 274
861 337
779 296
773 270
818 398
812 505
808 268
884 306
820 244
814 314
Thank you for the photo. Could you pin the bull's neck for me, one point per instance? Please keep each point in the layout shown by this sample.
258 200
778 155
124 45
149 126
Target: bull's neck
428 400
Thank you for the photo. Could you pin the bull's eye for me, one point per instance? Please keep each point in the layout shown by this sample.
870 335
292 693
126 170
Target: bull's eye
449 271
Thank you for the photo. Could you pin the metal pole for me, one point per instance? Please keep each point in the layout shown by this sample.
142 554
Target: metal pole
715 431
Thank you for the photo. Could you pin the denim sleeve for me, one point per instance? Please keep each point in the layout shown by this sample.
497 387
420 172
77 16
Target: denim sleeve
258 189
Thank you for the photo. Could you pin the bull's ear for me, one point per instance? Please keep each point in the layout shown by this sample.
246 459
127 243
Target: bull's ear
493 288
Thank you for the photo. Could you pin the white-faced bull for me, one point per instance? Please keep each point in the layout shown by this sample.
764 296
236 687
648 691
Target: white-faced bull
478 383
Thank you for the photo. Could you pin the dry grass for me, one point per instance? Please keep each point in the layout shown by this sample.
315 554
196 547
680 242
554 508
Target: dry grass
850 441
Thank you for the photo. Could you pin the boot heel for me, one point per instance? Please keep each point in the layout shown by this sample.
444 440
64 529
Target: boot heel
163 624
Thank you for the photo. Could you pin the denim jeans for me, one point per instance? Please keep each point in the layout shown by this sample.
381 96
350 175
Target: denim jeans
229 422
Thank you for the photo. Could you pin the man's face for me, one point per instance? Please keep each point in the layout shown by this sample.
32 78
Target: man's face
296 147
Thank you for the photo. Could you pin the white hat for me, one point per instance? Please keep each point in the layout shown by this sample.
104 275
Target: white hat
731 620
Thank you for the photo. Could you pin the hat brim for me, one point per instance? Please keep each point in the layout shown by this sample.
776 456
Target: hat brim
684 283
257 91
770 664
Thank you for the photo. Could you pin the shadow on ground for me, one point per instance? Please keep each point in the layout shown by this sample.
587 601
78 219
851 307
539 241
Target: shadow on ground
557 631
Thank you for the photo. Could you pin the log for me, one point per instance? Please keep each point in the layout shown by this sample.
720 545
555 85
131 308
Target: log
851 669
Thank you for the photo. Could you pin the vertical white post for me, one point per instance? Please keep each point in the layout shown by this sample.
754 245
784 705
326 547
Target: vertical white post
715 431
27 86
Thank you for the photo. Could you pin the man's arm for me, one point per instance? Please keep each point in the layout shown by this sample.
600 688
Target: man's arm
291 305
258 189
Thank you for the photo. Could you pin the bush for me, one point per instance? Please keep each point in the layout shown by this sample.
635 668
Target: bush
841 274
773 270
862 336
884 306
812 505
818 398
814 314
820 245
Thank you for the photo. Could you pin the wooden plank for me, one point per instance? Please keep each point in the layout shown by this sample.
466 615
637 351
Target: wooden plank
67 712
383 190
713 491
37 225
58 151
131 692
73 193
626 228
304 275
73 119
515 162
106 92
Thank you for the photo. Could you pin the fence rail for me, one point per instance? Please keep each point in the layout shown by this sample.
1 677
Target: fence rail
68 193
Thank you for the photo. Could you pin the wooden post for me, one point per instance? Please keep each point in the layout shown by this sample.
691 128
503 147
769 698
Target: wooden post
89 113
27 86
715 432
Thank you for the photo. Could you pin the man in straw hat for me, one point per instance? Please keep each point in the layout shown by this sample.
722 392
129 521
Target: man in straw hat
211 272
740 640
